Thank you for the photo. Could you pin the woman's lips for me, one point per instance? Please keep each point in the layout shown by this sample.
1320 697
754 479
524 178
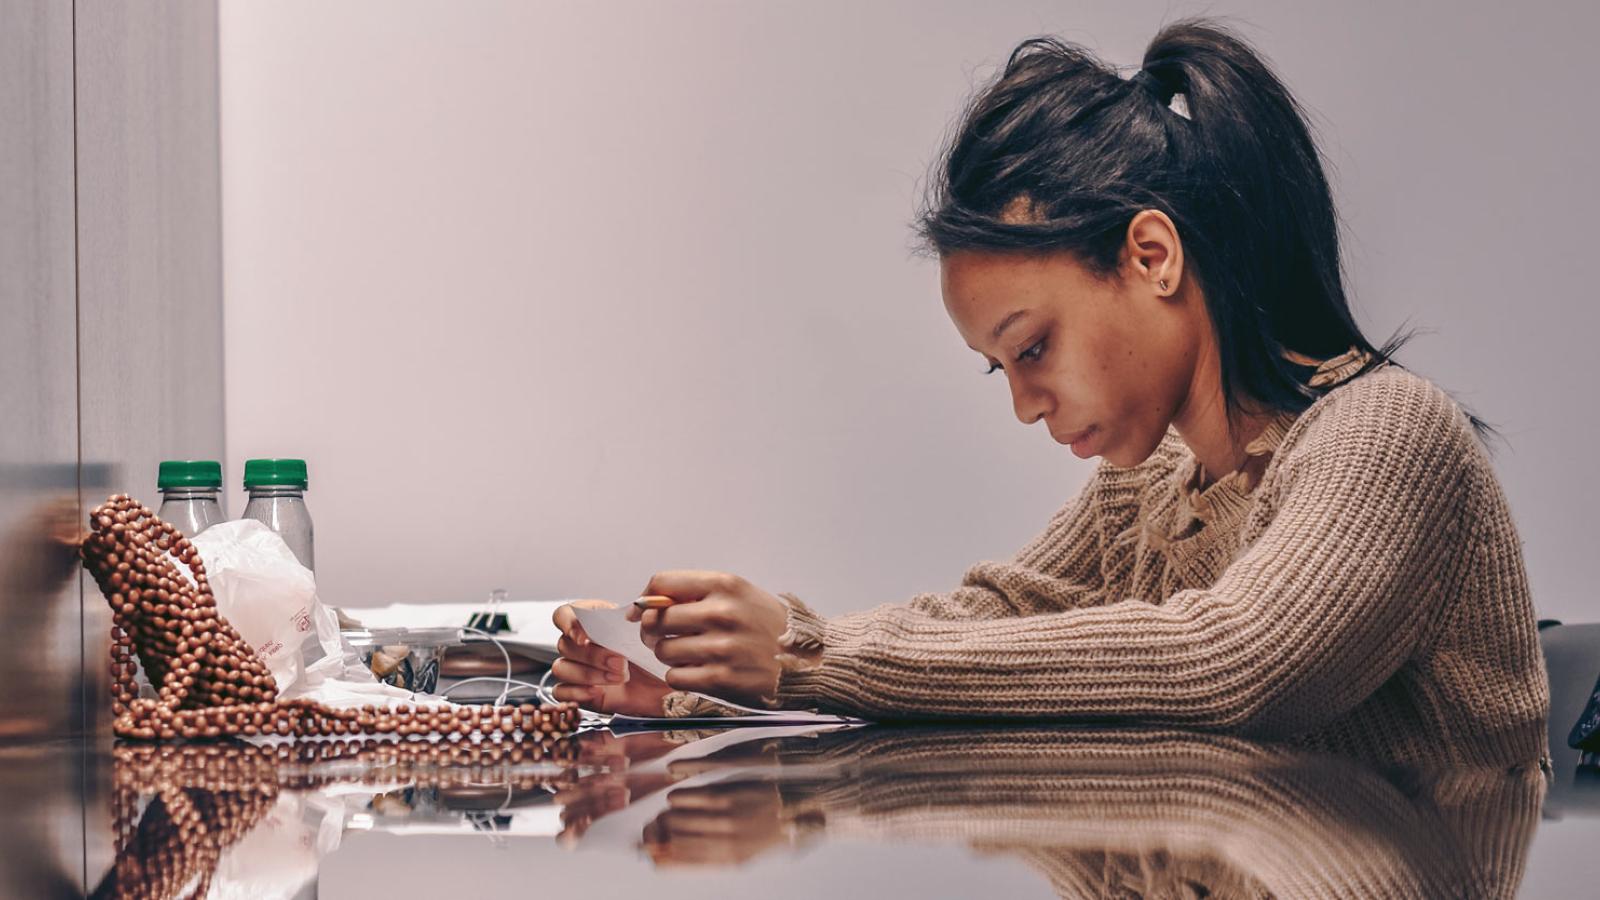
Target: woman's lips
1081 442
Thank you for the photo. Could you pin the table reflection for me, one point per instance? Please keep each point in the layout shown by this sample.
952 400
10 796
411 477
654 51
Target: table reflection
1097 812
1119 813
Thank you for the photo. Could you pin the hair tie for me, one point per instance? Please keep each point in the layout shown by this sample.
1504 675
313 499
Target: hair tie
1175 101
1150 81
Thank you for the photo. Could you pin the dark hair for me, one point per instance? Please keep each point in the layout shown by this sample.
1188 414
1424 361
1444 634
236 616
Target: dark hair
1234 167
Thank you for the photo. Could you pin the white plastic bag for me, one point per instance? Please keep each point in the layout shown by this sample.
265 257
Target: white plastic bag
272 600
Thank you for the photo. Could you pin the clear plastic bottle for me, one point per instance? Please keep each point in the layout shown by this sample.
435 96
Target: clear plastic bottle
190 494
278 500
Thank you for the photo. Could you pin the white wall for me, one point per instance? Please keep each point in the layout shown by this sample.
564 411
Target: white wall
556 295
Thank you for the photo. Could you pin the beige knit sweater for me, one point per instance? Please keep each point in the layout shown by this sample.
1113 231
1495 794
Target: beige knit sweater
1366 595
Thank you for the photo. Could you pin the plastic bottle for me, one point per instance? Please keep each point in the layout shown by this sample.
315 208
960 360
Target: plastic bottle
189 494
277 499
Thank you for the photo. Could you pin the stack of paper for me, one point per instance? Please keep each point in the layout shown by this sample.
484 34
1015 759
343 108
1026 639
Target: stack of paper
531 630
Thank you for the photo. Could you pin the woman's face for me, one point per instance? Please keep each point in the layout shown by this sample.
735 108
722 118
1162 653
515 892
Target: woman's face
1106 366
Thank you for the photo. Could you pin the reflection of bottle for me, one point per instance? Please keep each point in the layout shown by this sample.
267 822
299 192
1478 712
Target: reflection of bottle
277 499
189 494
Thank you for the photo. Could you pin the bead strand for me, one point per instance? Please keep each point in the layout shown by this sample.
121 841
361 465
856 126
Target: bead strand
209 682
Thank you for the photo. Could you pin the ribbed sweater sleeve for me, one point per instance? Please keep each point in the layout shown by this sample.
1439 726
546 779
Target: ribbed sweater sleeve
1349 554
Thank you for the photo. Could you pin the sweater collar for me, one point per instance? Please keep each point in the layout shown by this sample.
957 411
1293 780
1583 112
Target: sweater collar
1229 496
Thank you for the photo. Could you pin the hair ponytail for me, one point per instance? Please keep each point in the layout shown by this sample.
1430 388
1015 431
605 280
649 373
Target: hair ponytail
1207 133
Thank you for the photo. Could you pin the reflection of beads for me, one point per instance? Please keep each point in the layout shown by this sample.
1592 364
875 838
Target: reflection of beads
181 835
151 768
210 682
205 797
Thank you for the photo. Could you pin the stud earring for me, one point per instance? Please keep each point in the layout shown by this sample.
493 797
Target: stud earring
1163 284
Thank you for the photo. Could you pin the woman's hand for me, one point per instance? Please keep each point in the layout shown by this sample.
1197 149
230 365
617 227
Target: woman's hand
596 678
720 638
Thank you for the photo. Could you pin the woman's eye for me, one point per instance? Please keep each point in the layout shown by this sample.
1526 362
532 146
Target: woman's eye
1031 354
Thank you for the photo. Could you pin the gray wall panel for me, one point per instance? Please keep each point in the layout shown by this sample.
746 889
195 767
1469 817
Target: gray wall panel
149 275
40 607
149 243
149 235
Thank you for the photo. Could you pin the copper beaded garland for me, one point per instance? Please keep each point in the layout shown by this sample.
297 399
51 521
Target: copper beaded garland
210 684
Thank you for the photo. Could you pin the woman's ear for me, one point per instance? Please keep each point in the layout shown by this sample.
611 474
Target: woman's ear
1154 252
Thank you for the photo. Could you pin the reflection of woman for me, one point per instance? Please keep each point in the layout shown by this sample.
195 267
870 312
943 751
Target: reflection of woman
1289 534
1137 814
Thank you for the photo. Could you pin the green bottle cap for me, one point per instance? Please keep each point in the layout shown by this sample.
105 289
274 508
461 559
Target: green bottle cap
274 472
189 473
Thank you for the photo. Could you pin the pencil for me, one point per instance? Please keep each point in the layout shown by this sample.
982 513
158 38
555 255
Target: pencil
654 601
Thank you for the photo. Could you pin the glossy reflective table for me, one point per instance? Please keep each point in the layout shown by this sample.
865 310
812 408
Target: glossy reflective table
784 812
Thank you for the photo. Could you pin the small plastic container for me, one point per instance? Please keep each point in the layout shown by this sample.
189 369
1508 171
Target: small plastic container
190 494
404 657
278 500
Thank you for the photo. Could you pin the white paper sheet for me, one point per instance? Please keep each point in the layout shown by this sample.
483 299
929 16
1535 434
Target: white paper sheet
609 629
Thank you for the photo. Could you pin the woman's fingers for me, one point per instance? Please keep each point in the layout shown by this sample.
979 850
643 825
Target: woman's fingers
584 695
689 584
700 679
584 669
566 618
604 698
592 655
690 618
694 649
658 623
570 671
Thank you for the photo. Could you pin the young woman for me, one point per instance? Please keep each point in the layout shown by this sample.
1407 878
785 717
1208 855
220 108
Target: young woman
1288 535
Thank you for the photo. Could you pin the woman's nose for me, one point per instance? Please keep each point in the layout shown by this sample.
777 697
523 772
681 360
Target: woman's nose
1029 404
